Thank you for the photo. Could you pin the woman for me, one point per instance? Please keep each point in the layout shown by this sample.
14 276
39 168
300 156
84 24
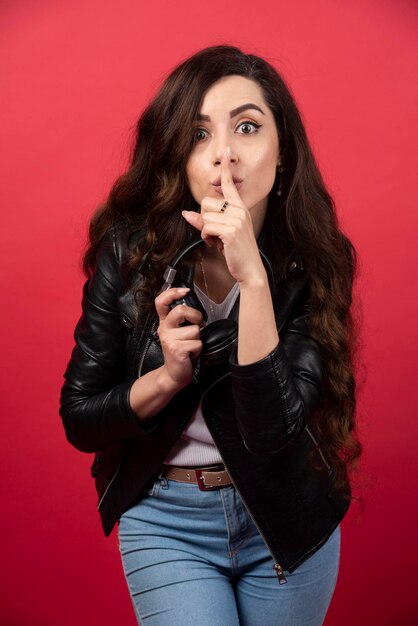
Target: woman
222 448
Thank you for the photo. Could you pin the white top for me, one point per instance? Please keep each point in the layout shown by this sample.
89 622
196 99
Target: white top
195 446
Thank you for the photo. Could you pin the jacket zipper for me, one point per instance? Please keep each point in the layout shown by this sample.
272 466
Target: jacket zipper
316 444
276 566
146 346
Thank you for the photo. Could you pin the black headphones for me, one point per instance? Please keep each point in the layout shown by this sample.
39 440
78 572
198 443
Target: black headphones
218 337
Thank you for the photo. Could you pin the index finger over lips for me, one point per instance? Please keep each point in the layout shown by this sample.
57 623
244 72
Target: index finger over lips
165 298
229 190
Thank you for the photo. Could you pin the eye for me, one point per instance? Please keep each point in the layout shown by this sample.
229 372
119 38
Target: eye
199 134
248 128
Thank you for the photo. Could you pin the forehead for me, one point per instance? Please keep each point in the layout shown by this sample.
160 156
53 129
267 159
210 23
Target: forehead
232 91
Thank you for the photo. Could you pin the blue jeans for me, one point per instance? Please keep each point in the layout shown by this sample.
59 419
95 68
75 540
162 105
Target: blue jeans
195 557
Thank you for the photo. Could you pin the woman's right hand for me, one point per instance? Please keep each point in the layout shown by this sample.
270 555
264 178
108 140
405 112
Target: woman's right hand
180 344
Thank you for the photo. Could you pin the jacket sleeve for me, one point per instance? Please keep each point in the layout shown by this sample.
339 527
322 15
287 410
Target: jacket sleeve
94 403
275 396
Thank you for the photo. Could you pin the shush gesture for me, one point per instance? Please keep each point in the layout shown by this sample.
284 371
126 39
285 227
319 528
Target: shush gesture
227 223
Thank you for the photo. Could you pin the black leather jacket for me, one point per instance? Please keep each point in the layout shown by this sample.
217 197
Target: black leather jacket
258 414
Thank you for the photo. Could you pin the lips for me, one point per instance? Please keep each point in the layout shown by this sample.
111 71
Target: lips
217 182
218 188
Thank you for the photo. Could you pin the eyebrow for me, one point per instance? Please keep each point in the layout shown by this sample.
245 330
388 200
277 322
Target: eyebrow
233 113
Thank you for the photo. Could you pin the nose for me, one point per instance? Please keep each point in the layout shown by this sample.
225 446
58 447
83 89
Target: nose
219 148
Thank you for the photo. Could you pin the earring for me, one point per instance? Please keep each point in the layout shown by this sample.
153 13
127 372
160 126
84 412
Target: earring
280 169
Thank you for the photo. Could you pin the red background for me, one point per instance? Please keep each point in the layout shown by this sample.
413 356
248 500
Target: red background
76 75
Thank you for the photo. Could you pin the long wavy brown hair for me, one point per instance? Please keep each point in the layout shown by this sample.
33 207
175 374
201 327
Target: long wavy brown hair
149 197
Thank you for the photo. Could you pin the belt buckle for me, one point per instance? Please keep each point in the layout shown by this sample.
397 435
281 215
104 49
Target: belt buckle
201 481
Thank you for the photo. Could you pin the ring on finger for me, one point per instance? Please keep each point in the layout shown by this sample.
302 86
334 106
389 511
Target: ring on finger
225 204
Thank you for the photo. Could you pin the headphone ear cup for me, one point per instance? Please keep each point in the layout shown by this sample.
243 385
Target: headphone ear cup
218 339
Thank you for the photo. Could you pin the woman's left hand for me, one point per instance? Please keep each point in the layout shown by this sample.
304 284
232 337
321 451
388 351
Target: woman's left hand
231 231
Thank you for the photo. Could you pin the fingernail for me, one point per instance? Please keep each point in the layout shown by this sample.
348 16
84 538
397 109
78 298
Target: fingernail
183 289
227 153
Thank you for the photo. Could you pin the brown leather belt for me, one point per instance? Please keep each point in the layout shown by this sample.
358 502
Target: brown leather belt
206 478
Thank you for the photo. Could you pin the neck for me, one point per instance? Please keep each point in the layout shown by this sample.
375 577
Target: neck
212 275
